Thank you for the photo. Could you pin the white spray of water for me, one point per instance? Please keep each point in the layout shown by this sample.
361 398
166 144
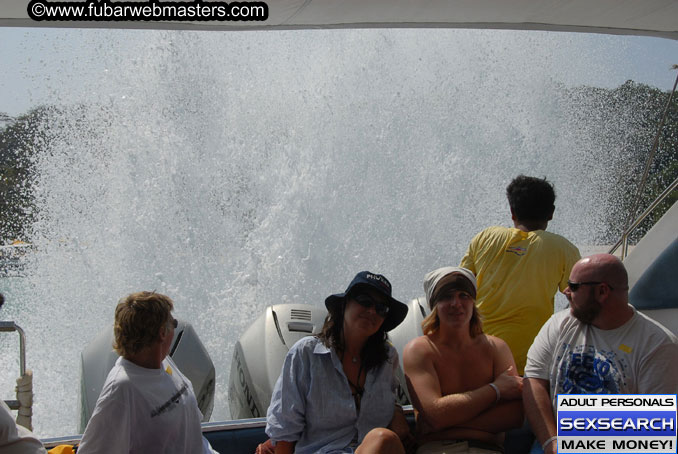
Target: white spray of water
232 171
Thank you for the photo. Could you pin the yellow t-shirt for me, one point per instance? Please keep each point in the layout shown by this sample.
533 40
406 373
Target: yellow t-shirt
518 275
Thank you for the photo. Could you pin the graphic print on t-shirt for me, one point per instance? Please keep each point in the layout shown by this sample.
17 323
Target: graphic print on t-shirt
585 370
517 250
171 403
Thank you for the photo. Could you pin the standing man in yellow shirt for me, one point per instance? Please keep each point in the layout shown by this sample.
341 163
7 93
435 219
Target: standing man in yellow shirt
519 269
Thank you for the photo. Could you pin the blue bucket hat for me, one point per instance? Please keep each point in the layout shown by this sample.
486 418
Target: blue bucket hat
397 310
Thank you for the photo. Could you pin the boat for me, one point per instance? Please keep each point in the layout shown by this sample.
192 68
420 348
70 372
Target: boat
653 260
260 351
256 365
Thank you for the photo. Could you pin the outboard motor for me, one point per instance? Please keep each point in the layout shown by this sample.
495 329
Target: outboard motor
402 334
187 352
259 354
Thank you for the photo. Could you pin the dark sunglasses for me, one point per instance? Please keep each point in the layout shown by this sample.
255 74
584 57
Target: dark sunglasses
174 323
574 286
367 302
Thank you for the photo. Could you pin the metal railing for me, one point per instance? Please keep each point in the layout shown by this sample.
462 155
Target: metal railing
624 240
8 327
631 226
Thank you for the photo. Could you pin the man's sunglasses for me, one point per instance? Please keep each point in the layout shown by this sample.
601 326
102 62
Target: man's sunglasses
574 286
174 323
367 302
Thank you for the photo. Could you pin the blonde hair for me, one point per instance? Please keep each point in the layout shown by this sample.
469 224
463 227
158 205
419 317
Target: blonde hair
138 320
431 323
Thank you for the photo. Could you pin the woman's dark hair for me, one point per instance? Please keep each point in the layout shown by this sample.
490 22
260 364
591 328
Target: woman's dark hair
375 350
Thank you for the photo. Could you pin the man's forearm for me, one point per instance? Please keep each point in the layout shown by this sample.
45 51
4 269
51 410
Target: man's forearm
500 418
539 410
456 409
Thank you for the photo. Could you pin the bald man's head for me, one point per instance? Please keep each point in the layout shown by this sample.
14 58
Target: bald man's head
603 268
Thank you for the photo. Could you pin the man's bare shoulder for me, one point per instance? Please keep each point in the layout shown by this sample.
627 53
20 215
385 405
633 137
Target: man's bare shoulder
498 345
501 354
495 341
420 343
418 348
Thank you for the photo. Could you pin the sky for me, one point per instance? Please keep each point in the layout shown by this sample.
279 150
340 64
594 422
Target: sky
38 62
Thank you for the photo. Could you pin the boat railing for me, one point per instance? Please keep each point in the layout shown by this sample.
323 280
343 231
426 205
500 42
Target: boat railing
631 226
235 424
8 327
624 240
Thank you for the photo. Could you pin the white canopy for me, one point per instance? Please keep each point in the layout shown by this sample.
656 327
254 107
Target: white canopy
630 17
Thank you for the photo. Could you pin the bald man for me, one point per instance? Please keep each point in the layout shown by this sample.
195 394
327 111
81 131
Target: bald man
600 345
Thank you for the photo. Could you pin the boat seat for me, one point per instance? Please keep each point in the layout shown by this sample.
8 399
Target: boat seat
242 440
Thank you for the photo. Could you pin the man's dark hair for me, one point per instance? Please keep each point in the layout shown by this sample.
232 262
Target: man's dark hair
531 199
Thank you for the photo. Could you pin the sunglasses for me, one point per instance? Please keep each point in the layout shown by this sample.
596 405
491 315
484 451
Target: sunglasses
367 302
574 286
174 323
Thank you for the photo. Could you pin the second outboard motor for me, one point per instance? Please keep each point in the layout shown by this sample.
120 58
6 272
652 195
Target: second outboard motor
259 354
402 334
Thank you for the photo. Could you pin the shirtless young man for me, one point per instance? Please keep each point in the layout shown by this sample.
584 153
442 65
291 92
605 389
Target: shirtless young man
463 383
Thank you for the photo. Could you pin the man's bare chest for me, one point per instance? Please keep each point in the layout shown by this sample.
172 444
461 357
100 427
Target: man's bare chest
460 371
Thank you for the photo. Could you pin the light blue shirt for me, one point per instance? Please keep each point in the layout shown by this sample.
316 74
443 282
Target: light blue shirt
312 403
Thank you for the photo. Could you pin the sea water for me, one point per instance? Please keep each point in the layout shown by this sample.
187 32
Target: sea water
232 171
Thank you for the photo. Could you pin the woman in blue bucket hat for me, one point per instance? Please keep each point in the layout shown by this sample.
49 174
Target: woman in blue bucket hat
337 390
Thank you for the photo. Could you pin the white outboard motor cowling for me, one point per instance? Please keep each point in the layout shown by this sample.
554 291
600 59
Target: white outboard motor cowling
402 334
259 354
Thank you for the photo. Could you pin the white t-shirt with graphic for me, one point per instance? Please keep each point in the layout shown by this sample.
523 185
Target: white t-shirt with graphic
639 357
144 410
